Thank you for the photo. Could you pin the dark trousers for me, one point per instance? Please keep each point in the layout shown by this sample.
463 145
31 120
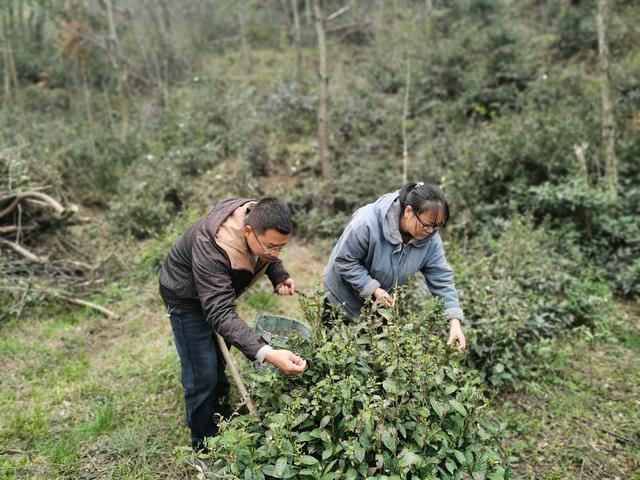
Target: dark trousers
206 387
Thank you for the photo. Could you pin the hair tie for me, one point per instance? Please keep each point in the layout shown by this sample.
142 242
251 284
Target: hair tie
419 184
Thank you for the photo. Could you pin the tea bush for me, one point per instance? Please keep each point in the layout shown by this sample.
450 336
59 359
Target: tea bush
381 398
518 289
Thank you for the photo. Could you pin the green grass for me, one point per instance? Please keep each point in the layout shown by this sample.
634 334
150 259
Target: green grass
581 417
87 397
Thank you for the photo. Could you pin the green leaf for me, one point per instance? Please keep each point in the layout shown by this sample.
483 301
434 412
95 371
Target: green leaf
322 434
407 458
388 439
308 460
437 407
325 421
304 437
280 467
460 457
390 385
450 466
327 453
351 474
495 476
359 453
458 407
290 472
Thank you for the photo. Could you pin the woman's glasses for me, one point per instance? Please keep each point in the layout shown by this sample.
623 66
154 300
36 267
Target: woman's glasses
431 227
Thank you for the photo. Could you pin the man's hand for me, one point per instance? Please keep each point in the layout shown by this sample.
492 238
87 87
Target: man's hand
286 361
383 299
456 335
288 287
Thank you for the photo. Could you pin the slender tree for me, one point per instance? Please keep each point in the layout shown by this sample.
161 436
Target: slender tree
296 40
10 65
121 68
610 179
405 114
323 97
243 37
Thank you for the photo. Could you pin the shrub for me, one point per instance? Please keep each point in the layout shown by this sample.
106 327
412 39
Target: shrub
381 398
518 289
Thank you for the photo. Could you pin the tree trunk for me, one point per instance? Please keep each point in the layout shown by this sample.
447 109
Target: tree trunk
610 179
243 37
323 97
405 114
296 40
5 58
11 66
121 70
308 14
87 100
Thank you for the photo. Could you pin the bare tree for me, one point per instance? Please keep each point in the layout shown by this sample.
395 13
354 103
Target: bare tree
323 96
405 114
308 14
115 54
296 40
11 75
243 36
610 179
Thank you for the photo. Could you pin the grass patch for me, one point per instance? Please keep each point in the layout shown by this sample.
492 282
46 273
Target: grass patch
580 419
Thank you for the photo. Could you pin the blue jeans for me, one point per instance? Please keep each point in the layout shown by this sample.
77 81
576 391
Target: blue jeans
206 387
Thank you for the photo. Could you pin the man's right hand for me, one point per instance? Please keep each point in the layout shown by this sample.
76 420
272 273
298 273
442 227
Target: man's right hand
286 361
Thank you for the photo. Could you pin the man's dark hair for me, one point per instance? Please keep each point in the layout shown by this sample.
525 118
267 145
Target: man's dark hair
270 213
424 198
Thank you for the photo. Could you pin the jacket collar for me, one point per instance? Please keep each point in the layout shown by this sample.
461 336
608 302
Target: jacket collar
389 214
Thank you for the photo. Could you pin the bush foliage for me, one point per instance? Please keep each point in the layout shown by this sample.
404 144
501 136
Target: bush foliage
381 398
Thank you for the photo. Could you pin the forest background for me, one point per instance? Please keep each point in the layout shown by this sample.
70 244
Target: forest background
122 122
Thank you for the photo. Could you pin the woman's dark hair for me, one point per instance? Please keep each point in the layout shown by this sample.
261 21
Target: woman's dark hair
270 213
423 197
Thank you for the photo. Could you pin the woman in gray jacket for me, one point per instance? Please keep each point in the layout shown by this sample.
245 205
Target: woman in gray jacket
384 244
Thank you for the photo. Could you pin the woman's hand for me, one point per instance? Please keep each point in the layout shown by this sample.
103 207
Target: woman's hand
383 299
455 334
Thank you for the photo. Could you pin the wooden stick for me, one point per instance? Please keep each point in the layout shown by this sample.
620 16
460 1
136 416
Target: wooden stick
83 303
15 228
236 377
45 200
24 252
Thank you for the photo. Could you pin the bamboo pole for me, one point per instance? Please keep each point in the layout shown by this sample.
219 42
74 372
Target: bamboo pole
236 376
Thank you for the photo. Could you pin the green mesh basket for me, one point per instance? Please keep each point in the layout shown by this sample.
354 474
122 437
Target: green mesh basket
277 330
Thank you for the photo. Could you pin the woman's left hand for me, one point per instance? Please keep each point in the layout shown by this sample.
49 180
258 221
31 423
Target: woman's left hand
455 334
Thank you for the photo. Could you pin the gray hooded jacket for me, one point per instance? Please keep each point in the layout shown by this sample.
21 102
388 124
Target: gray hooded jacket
371 254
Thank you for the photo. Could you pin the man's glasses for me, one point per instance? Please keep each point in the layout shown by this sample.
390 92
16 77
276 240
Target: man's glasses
431 227
267 249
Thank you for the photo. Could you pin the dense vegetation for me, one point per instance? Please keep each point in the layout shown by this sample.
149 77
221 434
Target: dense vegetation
144 114
383 398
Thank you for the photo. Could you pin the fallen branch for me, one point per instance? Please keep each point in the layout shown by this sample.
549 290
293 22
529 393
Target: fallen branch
15 228
41 199
83 303
24 252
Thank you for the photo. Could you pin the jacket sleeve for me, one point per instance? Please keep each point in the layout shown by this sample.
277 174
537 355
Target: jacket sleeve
212 277
276 272
439 278
349 260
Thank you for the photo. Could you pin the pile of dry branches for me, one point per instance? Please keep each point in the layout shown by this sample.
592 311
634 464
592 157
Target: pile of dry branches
40 256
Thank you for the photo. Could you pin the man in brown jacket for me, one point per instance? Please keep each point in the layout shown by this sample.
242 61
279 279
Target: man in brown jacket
212 264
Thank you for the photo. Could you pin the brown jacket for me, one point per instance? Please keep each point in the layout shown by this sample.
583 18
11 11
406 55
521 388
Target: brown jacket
210 266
